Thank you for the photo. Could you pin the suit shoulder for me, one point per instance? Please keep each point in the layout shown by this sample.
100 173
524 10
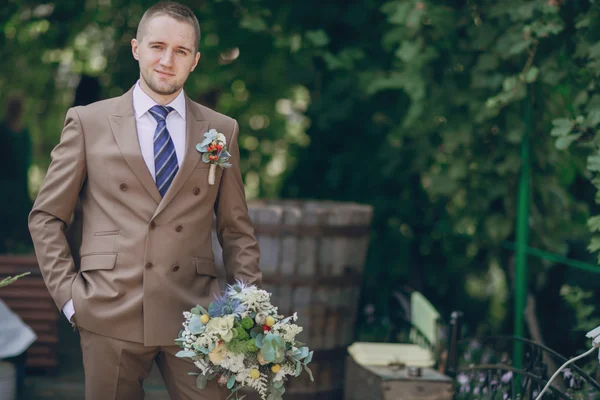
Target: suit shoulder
221 121
96 108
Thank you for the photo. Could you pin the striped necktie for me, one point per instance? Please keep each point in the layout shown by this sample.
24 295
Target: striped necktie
165 159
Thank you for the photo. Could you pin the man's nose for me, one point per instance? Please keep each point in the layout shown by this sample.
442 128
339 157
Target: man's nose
167 58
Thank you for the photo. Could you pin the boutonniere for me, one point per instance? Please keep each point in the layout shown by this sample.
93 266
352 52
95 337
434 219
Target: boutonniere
214 151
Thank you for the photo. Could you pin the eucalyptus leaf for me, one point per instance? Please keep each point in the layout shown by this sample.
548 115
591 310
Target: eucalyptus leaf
298 368
273 349
258 340
308 358
230 382
303 352
201 381
199 310
185 353
195 325
309 373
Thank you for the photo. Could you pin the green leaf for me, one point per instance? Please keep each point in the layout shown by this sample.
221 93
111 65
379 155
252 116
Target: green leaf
254 332
278 384
253 23
317 37
562 127
531 74
593 223
201 381
185 353
408 50
563 143
398 12
230 382
594 244
258 340
593 117
594 51
198 310
273 349
8 280
274 396
309 373
333 62
593 163
195 326
308 358
509 83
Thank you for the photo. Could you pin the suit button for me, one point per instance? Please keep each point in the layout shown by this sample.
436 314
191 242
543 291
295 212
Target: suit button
123 186
175 267
196 191
148 265
179 228
152 225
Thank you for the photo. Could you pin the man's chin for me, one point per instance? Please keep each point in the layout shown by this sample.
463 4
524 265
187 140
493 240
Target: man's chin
165 91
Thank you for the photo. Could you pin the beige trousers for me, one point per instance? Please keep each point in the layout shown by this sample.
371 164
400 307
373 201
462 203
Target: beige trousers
115 369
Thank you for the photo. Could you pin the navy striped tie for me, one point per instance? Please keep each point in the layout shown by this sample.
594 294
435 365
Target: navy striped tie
165 159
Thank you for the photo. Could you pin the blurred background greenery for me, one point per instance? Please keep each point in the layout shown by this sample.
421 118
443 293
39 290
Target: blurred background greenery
413 106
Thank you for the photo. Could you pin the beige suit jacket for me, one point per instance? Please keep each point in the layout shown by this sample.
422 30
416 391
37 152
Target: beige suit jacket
144 259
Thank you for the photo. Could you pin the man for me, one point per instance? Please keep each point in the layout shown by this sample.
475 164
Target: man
147 209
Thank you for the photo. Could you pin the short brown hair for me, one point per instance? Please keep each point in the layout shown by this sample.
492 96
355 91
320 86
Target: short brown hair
174 10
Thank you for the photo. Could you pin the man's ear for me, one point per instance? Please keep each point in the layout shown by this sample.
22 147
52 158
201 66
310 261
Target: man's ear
196 59
135 48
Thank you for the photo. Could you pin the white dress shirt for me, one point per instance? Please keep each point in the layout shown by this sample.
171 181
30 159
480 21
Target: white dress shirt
146 125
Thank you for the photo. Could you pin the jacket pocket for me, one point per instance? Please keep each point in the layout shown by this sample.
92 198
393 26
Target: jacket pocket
92 262
205 266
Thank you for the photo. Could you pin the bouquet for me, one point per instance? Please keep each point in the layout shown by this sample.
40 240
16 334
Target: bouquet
242 341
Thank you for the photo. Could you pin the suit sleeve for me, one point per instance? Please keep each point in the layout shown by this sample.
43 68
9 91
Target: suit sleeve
54 207
234 228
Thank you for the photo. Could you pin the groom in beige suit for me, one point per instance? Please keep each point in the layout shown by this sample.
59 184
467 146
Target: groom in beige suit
147 209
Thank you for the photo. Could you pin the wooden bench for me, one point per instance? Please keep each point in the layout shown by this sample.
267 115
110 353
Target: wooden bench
29 298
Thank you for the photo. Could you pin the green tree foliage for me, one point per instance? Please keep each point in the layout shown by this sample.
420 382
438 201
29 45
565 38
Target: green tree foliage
414 106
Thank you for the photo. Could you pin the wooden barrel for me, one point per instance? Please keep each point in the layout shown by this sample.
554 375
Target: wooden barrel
312 259
29 298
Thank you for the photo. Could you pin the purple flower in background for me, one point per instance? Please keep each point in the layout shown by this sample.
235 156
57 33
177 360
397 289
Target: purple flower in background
507 377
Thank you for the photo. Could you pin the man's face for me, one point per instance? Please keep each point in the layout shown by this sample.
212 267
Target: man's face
166 54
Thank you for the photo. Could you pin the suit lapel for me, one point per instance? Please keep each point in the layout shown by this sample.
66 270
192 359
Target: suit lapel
196 126
124 129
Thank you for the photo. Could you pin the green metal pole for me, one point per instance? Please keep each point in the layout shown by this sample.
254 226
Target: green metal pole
520 294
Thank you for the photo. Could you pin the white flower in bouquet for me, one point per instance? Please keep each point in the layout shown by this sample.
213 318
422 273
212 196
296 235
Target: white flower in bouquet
287 331
222 327
233 362
261 318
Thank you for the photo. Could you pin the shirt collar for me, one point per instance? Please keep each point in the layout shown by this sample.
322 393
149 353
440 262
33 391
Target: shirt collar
142 102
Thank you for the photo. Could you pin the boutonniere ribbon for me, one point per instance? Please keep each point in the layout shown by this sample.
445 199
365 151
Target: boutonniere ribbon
214 152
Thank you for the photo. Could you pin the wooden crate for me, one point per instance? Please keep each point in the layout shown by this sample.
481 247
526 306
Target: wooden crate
394 383
29 298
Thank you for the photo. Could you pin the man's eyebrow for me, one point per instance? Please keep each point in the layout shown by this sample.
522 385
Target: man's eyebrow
163 43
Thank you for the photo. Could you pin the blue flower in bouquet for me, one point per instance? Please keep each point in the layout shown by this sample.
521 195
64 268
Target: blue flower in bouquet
225 305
